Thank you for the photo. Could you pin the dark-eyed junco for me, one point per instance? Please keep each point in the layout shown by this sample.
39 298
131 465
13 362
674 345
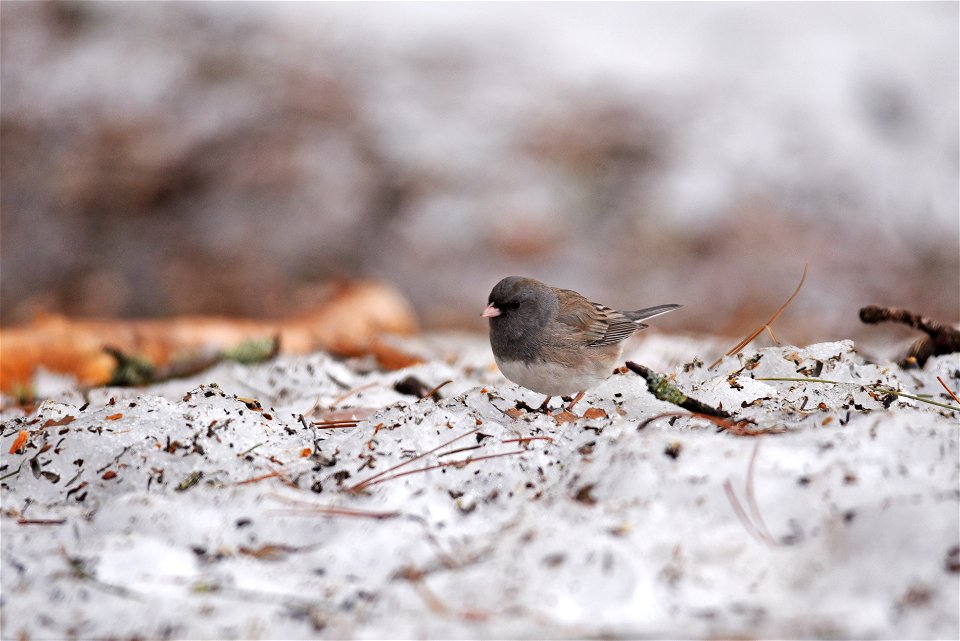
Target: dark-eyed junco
555 341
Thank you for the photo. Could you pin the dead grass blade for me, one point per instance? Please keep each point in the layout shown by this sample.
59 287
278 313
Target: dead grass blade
455 464
368 481
949 391
766 326
881 389
307 508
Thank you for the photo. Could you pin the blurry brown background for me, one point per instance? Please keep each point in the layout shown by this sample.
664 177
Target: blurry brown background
170 158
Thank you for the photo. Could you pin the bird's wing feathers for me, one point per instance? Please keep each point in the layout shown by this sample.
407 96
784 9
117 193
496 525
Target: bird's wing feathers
592 324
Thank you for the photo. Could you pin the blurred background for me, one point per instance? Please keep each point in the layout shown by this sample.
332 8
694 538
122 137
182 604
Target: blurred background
232 158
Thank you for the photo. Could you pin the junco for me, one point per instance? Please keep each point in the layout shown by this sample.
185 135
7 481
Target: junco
555 341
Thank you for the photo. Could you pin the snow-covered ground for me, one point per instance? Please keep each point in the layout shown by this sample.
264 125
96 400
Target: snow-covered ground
187 510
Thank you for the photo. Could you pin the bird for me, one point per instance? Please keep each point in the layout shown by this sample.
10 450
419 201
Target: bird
555 341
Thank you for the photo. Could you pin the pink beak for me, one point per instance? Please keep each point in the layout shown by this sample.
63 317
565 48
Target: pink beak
490 311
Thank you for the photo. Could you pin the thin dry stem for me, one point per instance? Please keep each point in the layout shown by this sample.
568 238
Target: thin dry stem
362 484
333 425
436 389
751 496
460 449
754 524
348 394
262 477
949 391
741 513
737 428
457 464
329 510
766 326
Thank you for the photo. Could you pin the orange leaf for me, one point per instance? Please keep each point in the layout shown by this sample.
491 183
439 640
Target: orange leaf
19 442
594 412
109 474
114 417
348 321
305 452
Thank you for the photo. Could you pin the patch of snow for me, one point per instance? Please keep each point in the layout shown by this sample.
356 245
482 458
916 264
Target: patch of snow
197 513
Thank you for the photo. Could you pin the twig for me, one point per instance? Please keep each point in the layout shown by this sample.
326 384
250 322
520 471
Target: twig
941 338
334 425
874 388
460 449
949 391
332 511
766 326
528 438
41 521
664 390
737 428
257 479
436 389
362 484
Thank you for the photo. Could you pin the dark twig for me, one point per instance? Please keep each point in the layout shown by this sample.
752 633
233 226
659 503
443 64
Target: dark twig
664 390
941 338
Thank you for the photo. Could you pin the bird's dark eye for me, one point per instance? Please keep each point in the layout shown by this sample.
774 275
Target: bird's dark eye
512 305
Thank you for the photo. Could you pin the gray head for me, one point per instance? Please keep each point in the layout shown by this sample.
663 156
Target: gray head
519 305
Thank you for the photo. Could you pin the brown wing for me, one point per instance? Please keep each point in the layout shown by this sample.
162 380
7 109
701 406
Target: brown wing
592 324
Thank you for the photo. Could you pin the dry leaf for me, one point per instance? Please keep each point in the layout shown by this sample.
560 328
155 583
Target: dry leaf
66 420
349 323
19 442
594 412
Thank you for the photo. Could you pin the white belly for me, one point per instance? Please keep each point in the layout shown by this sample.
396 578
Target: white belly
553 379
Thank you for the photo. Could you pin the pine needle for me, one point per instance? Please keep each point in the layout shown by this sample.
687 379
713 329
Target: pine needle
766 326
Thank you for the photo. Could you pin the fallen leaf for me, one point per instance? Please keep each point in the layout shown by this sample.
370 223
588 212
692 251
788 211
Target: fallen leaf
565 416
349 322
115 417
109 474
305 452
66 420
19 442
514 413
594 412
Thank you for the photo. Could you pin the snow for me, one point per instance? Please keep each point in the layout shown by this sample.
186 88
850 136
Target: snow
591 528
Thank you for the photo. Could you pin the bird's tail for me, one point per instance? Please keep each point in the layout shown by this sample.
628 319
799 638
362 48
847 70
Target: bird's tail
649 312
